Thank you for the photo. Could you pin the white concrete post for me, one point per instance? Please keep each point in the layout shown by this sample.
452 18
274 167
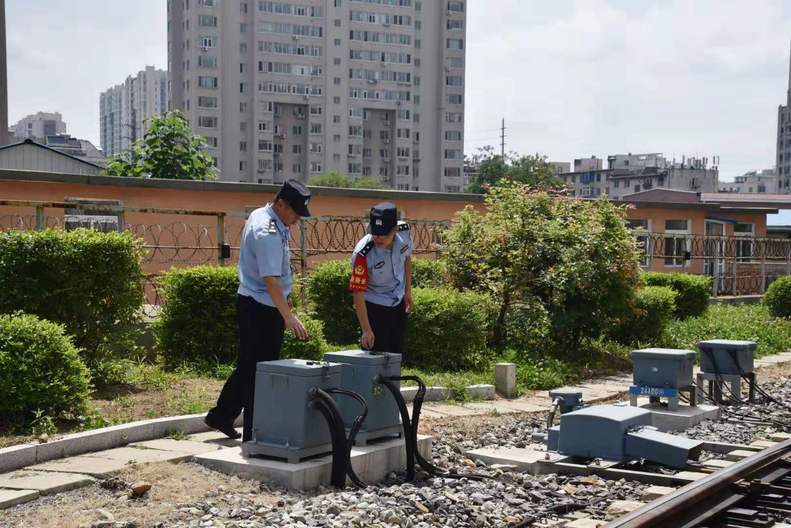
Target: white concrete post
505 379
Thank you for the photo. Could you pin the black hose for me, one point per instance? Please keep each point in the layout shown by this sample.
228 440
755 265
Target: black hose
406 424
355 428
338 471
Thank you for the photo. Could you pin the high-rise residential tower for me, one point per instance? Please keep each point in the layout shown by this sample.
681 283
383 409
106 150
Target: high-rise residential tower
784 141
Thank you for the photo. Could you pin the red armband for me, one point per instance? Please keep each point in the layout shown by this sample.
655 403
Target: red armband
359 280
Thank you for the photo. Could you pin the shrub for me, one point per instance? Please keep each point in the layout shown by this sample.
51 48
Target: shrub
574 256
693 291
778 297
746 323
447 330
527 328
90 282
198 319
312 348
428 273
329 298
653 311
41 373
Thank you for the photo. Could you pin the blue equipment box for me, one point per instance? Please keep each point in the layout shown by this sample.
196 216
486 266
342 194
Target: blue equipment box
662 367
723 356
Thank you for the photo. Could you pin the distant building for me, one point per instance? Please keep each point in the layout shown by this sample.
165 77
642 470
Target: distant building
32 156
588 164
633 173
125 109
39 125
560 166
79 148
783 166
752 182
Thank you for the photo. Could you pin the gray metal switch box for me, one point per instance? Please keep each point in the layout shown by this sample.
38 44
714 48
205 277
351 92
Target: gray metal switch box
284 426
663 367
360 369
600 431
723 356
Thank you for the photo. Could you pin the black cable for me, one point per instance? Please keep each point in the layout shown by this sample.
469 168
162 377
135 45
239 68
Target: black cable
355 428
338 471
406 424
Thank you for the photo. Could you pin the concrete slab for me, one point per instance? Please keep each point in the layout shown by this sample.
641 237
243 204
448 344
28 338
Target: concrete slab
437 394
105 463
178 446
488 408
622 507
779 437
585 523
522 406
94 440
525 459
9 498
481 392
762 444
738 454
688 476
716 463
16 457
682 419
45 482
371 462
449 410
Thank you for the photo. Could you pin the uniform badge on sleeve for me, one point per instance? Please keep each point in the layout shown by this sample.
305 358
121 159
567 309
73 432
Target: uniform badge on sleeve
359 280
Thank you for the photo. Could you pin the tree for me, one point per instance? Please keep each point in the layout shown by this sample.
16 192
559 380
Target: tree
336 179
493 168
560 269
168 150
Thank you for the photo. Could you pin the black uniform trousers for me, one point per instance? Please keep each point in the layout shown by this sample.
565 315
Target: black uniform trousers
389 327
261 330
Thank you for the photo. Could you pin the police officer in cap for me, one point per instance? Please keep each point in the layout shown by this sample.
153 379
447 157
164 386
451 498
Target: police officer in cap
382 281
263 307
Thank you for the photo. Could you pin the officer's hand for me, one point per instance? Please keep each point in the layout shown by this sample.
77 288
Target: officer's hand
295 325
367 340
408 302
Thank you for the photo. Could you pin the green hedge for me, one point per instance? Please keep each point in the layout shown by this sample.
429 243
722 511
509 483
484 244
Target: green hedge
448 329
198 321
41 372
653 312
428 273
198 318
778 297
90 282
328 295
693 291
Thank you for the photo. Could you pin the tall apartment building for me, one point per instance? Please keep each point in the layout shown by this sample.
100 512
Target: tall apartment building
125 109
294 88
39 126
752 182
784 141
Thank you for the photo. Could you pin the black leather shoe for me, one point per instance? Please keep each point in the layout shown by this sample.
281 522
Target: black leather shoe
224 427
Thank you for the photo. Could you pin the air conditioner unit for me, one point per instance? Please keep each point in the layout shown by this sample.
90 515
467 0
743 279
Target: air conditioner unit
371 81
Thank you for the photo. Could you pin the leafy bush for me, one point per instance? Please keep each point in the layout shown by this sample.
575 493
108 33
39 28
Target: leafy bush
653 312
90 282
312 348
527 328
41 373
574 256
198 319
447 330
748 323
693 291
778 297
329 298
428 273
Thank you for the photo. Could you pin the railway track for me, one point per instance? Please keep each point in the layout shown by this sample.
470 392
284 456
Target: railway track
753 493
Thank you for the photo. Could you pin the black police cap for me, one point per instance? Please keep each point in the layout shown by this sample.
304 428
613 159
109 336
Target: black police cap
296 195
384 217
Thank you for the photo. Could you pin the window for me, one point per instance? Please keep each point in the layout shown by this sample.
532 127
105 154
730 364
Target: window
453 135
639 229
454 80
455 99
207 121
745 241
453 154
206 42
452 172
207 21
211 141
677 242
264 145
315 128
456 6
207 102
243 146
207 61
455 44
208 82
296 149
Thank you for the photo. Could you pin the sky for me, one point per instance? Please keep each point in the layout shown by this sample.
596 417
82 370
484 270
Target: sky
572 78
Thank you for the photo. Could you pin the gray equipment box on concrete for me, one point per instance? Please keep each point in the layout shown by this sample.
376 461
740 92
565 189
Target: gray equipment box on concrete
723 356
569 397
360 369
284 426
663 367
599 431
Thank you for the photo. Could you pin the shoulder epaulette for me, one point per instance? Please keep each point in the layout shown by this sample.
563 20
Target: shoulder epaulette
366 248
403 226
272 226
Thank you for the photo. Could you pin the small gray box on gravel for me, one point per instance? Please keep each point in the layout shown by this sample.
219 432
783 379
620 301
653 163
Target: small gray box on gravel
724 356
663 367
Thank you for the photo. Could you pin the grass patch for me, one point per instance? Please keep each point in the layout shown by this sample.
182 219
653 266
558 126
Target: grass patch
746 322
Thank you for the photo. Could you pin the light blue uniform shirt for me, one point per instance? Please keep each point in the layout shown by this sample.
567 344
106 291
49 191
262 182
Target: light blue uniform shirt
386 272
264 253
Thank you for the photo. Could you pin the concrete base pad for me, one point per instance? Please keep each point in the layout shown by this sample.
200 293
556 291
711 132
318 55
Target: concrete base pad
105 463
682 419
525 459
9 498
45 482
371 463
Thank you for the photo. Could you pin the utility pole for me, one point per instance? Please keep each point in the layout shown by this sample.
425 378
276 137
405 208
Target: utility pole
502 138
4 139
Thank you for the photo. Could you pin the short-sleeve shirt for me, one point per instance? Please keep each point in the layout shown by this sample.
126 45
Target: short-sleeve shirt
264 253
385 281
